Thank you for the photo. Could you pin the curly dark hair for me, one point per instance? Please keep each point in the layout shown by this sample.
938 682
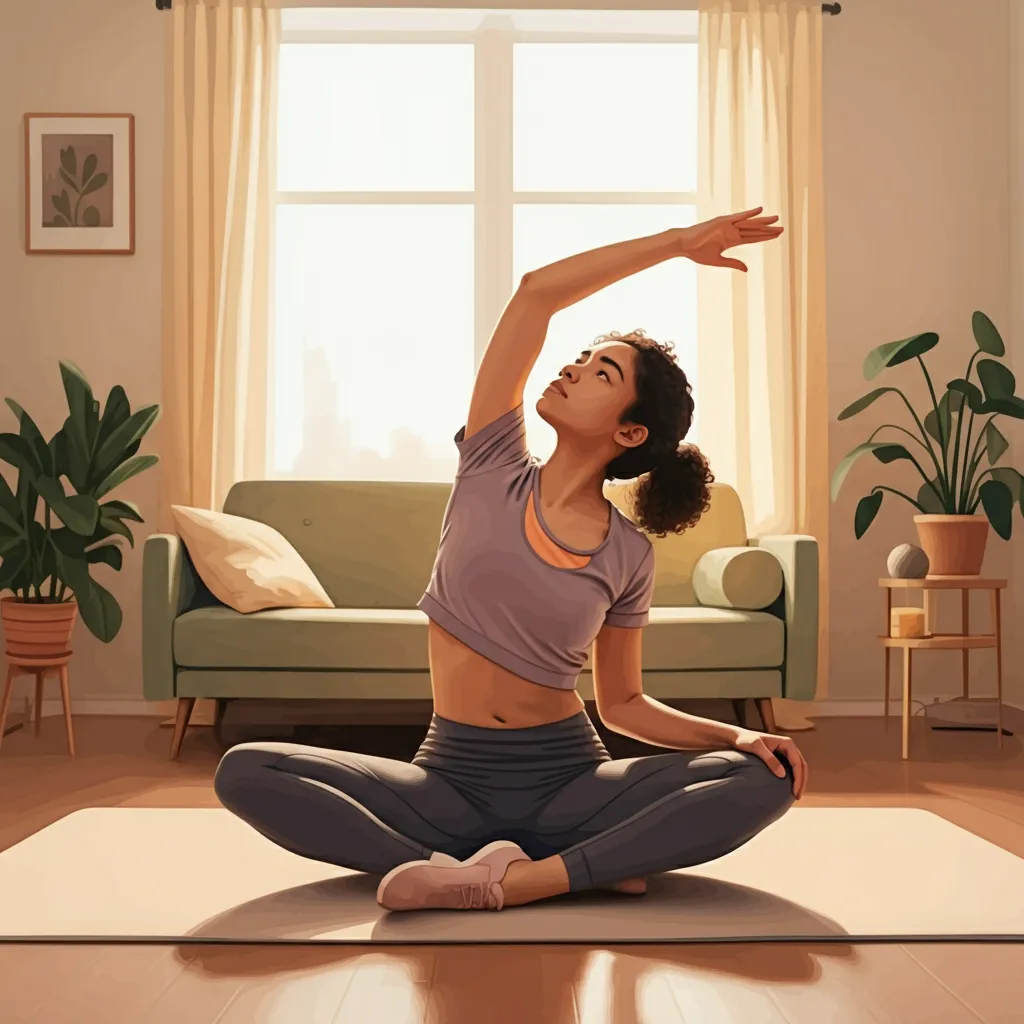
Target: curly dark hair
676 491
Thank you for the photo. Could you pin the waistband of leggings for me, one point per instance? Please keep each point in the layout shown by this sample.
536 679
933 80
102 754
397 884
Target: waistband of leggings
569 739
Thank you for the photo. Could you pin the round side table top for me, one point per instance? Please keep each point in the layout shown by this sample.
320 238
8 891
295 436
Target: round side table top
946 583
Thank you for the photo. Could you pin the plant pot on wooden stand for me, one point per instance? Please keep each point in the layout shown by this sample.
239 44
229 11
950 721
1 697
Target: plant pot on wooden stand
955 545
37 641
57 523
962 492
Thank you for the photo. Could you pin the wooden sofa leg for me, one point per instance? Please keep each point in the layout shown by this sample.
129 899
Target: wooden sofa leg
767 713
185 706
739 709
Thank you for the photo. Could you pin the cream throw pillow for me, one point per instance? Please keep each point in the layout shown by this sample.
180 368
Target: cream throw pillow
247 565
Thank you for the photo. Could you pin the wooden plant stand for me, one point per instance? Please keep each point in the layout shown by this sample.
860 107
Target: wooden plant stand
20 665
964 641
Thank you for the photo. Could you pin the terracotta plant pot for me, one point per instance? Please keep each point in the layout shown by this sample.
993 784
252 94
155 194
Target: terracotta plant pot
955 545
40 630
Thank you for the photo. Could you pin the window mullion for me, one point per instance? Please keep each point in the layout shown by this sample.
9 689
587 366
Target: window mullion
493 178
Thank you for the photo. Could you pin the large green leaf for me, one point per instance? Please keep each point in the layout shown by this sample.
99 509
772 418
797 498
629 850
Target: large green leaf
113 451
893 353
995 443
78 461
996 379
80 398
970 391
949 403
929 500
97 606
50 490
986 335
867 509
17 451
9 525
125 471
1013 479
115 412
12 565
997 500
111 525
8 502
1012 407
864 401
121 510
892 453
110 554
848 461
79 512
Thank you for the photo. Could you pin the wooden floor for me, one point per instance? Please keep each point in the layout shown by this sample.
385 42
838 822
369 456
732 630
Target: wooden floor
123 762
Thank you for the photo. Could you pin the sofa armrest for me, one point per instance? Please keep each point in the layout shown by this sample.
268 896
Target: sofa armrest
797 606
169 585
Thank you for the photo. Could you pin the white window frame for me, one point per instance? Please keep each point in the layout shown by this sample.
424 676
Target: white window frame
492 197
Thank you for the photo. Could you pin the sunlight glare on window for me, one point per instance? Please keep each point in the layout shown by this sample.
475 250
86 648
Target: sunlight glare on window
604 117
375 117
373 359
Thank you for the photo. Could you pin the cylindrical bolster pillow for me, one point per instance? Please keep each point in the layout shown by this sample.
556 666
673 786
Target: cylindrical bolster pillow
747 578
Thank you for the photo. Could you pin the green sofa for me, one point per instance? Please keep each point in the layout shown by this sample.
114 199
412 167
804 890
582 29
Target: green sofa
372 546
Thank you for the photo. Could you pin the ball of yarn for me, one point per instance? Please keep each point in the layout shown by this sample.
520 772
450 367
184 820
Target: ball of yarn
907 562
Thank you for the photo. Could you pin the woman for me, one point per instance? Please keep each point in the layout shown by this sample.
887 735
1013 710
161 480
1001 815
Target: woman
512 797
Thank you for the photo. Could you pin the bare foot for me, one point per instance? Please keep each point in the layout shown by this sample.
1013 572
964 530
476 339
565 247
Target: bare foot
634 886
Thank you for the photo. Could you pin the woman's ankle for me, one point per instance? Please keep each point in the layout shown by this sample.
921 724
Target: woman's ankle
526 881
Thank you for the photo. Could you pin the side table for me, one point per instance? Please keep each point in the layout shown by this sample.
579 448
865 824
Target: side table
964 641
19 665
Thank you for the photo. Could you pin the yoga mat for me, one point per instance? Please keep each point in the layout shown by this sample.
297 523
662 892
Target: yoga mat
852 874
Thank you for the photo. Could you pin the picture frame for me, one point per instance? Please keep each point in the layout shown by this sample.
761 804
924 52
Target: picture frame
80 184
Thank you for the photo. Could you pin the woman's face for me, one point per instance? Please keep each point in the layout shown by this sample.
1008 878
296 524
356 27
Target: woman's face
599 387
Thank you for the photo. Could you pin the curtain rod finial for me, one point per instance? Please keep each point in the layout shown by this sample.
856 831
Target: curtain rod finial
831 8
163 5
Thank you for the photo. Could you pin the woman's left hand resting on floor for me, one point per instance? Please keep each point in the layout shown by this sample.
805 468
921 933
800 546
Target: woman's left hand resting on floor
764 745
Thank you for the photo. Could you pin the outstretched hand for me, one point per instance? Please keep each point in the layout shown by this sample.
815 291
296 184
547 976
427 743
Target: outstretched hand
705 242
765 745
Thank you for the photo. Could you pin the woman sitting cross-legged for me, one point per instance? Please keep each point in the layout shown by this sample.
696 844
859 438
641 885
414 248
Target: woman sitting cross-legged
512 797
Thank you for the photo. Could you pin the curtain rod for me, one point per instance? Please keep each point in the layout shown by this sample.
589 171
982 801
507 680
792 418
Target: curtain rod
165 5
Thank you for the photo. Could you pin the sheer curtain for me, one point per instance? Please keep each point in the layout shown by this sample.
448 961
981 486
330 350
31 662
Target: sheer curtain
218 232
762 354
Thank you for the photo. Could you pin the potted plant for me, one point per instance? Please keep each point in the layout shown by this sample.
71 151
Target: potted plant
51 536
954 484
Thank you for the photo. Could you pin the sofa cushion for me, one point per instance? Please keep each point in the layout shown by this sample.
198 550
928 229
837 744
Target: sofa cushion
396 639
247 564
743 577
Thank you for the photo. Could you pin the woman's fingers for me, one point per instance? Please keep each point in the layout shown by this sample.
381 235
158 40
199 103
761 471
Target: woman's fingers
745 214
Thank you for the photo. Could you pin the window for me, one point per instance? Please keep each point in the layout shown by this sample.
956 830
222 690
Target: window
427 159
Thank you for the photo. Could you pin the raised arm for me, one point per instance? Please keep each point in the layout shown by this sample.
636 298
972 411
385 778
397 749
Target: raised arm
517 340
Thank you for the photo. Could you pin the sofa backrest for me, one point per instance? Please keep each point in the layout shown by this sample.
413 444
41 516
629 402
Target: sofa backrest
372 544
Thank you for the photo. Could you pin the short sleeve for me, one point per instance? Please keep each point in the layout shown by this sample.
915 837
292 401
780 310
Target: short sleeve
632 606
499 443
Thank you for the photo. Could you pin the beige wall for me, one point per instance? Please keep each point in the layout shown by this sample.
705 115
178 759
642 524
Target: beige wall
919 231
101 312
917 214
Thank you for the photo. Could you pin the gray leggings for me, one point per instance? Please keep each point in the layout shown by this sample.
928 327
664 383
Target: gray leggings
553 789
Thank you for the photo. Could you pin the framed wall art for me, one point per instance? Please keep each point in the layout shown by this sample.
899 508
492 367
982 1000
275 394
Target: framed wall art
80 183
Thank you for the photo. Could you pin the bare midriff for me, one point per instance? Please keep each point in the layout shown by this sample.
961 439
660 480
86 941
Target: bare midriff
471 689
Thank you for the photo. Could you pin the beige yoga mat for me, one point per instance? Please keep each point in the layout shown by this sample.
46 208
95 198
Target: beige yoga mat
183 875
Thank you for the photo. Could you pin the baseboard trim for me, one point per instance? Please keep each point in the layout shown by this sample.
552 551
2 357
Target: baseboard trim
127 706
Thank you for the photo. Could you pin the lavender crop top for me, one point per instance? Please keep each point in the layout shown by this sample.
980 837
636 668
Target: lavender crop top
506 587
